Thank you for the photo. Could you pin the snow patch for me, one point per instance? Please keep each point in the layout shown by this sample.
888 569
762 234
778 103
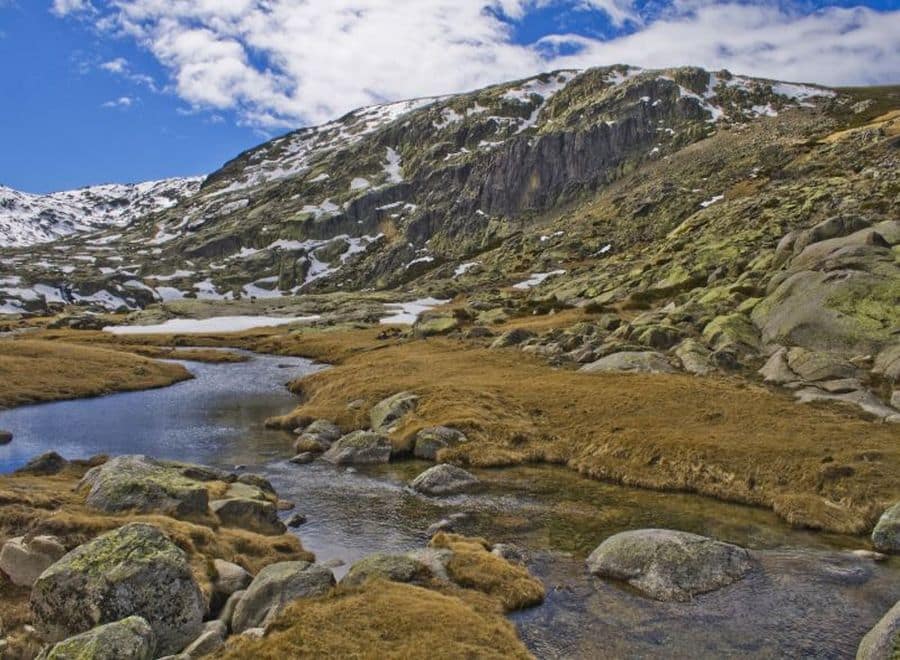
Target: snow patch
216 324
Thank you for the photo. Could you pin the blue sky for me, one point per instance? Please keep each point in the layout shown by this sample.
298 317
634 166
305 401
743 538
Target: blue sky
99 91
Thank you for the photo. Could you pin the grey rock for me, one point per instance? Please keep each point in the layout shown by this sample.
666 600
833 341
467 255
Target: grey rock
776 369
132 570
296 520
396 568
227 612
259 516
210 640
45 464
887 363
359 447
442 525
512 338
257 481
430 441
303 458
695 357
23 559
865 400
883 641
229 578
669 565
388 411
886 535
131 638
818 365
274 587
630 362
444 479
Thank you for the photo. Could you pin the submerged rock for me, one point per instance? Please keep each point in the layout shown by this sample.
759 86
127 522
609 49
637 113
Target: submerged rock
359 447
396 568
883 641
132 570
23 560
444 479
274 587
388 411
630 362
5 437
886 535
131 638
669 565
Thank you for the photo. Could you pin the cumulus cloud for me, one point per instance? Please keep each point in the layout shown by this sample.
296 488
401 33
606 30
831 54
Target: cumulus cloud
280 63
66 7
122 102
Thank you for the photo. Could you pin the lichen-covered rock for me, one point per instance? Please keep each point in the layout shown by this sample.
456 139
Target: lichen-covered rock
887 363
444 479
776 369
819 365
23 559
317 437
695 357
143 484
883 641
256 515
733 331
630 362
275 586
43 465
429 441
131 638
359 447
886 535
512 338
396 568
132 570
669 565
388 411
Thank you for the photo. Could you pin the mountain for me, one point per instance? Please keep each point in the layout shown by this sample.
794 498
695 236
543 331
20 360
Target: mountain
26 219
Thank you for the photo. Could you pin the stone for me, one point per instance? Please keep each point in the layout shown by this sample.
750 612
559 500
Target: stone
131 638
303 458
776 369
260 516
227 612
388 411
229 578
318 436
210 640
512 338
883 641
359 447
630 362
132 570
143 484
442 525
887 363
429 441
444 479
886 535
395 568
669 565
863 399
5 437
813 366
695 357
44 465
733 331
296 520
257 481
275 586
22 560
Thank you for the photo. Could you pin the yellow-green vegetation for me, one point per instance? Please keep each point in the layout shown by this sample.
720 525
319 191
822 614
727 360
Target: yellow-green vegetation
32 371
385 620
474 567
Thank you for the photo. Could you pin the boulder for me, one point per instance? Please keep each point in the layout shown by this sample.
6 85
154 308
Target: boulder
630 362
669 565
256 515
734 331
860 398
695 357
211 639
388 411
883 641
430 441
886 535
303 458
359 447
256 481
131 638
512 338
132 570
818 365
43 465
887 363
5 437
229 578
443 480
23 559
226 614
776 369
275 586
395 568
318 436
143 484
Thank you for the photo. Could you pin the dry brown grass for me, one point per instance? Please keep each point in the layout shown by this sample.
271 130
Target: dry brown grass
474 567
34 370
383 620
209 355
715 436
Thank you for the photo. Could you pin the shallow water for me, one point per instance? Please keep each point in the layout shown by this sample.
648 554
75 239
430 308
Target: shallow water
808 596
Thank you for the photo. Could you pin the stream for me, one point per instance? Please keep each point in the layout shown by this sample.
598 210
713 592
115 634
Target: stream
810 597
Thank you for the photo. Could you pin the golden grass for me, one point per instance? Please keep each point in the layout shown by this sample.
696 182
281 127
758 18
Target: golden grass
33 370
383 620
208 355
474 567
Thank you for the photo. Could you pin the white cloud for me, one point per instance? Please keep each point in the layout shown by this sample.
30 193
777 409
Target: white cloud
66 7
281 63
121 102
118 65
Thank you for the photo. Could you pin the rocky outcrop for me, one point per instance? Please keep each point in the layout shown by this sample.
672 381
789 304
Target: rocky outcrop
669 565
388 411
444 480
886 535
359 447
132 570
275 586
883 641
395 568
630 362
131 638
23 559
